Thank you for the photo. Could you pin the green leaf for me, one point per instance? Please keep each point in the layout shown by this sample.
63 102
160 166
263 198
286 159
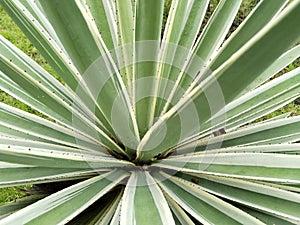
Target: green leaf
64 205
269 200
45 130
254 166
259 102
203 206
116 217
262 14
108 89
253 105
111 87
265 217
49 158
273 37
286 148
72 36
9 208
100 212
205 47
143 195
42 91
273 132
103 16
279 64
38 13
12 175
126 28
181 216
43 42
181 30
151 117
148 14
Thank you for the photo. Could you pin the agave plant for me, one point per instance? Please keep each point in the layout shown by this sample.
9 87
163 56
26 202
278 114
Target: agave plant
151 119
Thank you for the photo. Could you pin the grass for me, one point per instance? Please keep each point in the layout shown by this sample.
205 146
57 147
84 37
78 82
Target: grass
10 31
12 193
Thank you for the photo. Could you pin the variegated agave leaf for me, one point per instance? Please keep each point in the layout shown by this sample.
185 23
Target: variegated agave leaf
152 122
